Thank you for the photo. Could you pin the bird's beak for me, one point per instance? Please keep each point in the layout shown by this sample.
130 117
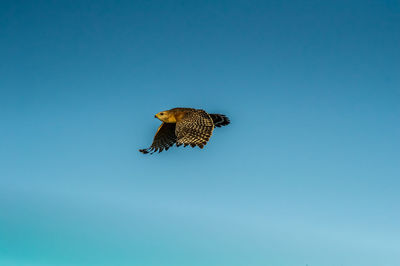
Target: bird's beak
155 116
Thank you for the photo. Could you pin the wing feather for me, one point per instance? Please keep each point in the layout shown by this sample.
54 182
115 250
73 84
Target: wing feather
194 129
164 139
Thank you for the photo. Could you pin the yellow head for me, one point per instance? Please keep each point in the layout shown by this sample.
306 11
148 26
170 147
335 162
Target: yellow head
166 116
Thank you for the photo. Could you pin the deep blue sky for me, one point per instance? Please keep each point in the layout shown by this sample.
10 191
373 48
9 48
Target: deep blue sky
307 173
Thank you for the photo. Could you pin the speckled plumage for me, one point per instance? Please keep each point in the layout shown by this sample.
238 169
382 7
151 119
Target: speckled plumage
185 126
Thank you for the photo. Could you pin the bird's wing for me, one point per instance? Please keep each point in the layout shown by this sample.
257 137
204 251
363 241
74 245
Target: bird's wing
195 128
164 139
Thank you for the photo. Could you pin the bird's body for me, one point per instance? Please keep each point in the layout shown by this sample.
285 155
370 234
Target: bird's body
185 126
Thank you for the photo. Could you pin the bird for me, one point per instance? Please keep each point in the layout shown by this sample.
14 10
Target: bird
184 126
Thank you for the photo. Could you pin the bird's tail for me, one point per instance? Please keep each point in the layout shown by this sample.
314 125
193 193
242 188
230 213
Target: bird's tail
220 120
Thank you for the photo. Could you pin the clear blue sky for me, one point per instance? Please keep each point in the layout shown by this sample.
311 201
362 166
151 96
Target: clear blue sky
307 173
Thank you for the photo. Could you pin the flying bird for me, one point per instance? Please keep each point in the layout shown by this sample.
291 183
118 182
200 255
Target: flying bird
184 126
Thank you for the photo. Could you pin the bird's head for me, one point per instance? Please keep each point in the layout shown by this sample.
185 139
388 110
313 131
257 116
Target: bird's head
166 116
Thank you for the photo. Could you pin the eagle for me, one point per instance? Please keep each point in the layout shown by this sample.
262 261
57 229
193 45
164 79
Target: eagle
184 126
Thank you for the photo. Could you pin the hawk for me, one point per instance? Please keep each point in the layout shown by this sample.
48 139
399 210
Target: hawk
184 126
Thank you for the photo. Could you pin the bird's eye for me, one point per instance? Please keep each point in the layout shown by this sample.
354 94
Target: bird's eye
161 113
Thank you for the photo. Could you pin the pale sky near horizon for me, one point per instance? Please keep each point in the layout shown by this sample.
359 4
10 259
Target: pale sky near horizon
306 174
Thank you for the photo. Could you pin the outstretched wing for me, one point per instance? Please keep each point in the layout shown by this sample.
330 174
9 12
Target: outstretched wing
163 140
195 128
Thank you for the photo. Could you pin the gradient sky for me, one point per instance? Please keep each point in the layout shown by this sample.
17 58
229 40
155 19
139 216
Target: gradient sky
307 173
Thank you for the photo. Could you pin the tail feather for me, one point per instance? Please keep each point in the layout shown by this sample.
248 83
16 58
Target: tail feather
220 120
